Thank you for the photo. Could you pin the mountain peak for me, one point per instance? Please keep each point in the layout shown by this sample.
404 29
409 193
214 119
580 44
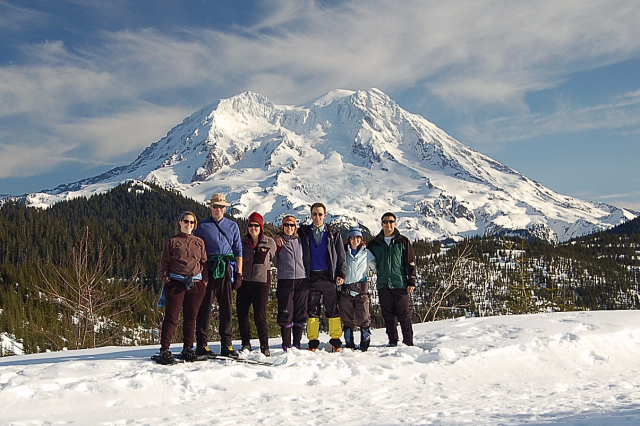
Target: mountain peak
360 154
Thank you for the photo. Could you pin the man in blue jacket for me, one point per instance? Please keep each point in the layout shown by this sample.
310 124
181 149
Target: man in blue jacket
396 264
224 252
327 270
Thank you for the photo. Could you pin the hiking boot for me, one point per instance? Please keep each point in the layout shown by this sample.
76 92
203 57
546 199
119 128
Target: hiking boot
348 338
188 355
365 338
204 350
392 344
314 344
166 358
285 348
265 351
335 349
228 351
246 347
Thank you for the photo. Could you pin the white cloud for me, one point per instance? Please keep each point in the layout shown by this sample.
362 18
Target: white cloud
621 112
127 132
41 158
470 54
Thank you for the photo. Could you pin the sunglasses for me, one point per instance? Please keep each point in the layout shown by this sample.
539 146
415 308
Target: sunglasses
386 222
192 222
289 225
253 225
218 207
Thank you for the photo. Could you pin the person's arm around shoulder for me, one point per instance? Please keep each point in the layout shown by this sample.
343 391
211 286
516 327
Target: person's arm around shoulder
273 251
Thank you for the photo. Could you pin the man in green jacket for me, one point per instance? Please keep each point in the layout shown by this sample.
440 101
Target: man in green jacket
396 264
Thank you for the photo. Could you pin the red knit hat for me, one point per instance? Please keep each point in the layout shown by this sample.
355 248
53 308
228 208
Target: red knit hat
256 217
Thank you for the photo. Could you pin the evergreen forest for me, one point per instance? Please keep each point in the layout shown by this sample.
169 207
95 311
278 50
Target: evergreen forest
84 272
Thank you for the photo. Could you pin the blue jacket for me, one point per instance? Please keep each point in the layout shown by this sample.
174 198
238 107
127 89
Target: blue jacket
214 242
359 265
335 247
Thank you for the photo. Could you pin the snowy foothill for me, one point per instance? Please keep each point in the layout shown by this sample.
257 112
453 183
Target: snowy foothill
576 368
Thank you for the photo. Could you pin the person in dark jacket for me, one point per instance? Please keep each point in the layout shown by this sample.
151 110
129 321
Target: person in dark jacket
293 287
258 252
396 267
326 269
222 241
183 271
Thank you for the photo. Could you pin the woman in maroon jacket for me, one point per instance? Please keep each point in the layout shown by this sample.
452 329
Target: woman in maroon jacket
258 251
183 270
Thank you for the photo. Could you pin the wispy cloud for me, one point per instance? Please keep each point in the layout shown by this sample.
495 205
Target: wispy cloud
469 54
623 111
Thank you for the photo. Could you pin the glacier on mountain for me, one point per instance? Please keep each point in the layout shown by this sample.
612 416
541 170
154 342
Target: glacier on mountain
361 155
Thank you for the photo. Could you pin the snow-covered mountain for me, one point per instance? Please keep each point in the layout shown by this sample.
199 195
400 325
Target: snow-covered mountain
360 154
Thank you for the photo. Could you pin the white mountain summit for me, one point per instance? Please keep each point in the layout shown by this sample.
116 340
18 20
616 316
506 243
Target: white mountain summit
361 155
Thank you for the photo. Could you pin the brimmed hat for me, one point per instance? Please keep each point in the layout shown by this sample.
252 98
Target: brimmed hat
219 199
354 232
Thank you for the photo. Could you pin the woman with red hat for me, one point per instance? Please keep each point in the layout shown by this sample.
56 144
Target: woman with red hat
258 252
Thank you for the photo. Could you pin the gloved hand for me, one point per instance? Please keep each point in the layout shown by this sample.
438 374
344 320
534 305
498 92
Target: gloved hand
238 282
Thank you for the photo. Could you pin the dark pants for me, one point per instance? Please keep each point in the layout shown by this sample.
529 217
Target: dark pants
256 294
394 303
293 300
177 297
221 290
321 286
354 310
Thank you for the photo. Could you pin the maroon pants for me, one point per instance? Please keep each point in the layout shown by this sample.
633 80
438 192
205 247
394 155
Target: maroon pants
177 297
354 310
394 303
256 294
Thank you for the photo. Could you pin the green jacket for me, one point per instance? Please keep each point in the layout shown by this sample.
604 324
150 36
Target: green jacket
396 263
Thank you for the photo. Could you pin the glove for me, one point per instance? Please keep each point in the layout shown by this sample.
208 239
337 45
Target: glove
238 282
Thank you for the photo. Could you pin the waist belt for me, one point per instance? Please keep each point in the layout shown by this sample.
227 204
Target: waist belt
218 265
188 281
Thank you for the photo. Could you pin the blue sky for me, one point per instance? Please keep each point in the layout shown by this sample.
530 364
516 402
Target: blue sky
549 88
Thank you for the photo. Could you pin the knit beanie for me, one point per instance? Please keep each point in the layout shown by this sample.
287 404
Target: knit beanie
354 231
256 217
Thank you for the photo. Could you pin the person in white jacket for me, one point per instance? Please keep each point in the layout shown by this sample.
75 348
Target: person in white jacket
354 300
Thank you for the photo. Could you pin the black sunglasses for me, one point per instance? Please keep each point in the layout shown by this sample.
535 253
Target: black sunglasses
386 222
193 222
253 225
289 225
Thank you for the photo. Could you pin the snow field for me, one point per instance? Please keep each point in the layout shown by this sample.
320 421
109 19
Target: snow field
562 368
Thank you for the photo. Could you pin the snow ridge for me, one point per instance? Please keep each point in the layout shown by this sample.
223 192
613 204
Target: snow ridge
362 155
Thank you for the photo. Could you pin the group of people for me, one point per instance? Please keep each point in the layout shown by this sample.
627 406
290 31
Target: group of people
206 261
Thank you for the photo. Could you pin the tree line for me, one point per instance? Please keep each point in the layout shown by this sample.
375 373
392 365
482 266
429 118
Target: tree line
110 246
